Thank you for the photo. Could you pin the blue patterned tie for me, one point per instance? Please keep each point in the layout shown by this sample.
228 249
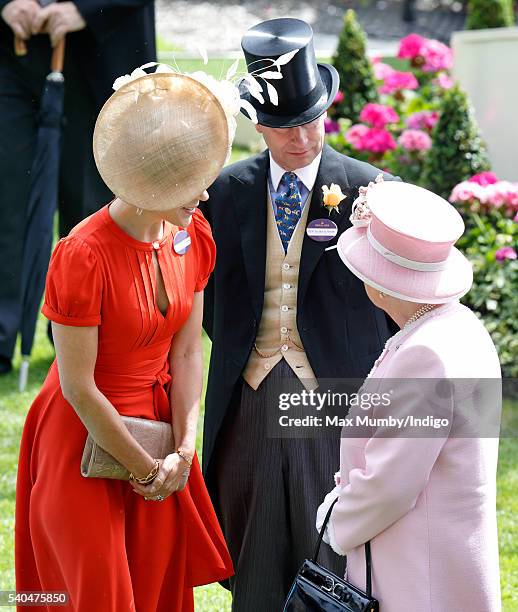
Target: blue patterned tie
288 207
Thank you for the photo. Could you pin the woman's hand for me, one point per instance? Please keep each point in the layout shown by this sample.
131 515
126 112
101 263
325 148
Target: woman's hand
172 477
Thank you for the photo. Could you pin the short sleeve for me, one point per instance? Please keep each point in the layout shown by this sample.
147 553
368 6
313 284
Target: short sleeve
74 285
206 249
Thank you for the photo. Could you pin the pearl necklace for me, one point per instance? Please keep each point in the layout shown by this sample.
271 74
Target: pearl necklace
419 313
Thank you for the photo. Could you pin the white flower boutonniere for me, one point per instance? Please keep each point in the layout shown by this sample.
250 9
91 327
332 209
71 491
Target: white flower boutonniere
332 197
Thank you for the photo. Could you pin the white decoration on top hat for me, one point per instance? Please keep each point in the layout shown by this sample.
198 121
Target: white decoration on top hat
226 90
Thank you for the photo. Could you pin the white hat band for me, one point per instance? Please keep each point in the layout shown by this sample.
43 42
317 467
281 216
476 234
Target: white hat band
421 266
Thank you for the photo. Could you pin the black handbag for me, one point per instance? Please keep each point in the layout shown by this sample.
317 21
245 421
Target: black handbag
316 589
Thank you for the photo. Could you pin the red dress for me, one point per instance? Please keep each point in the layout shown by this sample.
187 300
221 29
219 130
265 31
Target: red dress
111 550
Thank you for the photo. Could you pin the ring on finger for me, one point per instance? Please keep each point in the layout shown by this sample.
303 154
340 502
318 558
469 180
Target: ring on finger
159 498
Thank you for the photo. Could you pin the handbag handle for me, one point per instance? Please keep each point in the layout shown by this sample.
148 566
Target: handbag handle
368 560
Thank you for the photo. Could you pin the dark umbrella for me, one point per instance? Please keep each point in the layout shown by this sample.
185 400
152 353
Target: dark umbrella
42 205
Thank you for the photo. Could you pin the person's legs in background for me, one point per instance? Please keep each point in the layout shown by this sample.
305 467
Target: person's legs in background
20 88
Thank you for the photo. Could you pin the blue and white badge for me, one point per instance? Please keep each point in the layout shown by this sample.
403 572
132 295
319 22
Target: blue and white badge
322 230
182 242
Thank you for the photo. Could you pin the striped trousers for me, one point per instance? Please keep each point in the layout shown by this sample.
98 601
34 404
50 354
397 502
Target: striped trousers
268 491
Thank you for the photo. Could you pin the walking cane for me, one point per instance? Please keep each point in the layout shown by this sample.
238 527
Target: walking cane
20 48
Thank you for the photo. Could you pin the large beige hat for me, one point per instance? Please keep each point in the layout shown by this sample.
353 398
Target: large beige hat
161 140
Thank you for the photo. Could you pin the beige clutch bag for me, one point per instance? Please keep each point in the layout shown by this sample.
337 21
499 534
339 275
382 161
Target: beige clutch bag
156 437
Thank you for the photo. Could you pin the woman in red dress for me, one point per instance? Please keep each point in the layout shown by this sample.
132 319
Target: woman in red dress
124 294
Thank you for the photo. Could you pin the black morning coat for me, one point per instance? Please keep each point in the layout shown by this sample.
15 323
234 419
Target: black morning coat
341 330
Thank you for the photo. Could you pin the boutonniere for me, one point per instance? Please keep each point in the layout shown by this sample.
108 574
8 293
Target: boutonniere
332 197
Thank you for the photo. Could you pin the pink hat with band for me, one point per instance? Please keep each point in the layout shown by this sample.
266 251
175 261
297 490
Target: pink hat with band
402 241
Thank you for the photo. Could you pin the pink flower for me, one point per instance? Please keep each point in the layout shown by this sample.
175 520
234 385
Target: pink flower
513 197
355 134
396 81
465 192
484 195
339 97
377 140
378 115
502 193
443 80
410 46
415 140
382 71
437 56
496 194
505 253
422 120
484 178
508 192
330 126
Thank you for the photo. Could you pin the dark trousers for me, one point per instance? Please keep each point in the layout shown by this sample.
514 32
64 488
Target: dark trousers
268 492
81 190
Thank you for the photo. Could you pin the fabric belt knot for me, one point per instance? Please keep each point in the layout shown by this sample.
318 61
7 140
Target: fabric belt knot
161 389
289 207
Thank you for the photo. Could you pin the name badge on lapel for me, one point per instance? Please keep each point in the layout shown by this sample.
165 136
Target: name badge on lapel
322 230
182 242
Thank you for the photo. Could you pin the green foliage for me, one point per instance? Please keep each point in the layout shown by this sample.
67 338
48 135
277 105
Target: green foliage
493 295
406 164
458 151
354 68
489 14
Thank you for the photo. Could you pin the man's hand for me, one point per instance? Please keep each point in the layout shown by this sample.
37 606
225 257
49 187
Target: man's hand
20 15
58 19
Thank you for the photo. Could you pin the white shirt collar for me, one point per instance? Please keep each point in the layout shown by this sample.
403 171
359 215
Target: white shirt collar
308 174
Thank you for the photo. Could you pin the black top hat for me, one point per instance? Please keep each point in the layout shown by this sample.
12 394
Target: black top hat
306 90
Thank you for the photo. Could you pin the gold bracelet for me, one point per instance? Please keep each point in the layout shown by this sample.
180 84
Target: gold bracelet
150 477
181 454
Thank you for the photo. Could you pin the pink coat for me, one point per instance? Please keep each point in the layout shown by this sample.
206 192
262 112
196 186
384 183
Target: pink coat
428 505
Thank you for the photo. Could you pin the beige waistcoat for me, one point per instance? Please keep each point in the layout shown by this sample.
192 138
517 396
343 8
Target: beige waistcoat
277 335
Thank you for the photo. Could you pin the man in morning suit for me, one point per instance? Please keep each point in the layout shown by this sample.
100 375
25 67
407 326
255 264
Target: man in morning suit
279 307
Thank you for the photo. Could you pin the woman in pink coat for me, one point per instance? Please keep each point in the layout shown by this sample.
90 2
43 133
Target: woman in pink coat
425 498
